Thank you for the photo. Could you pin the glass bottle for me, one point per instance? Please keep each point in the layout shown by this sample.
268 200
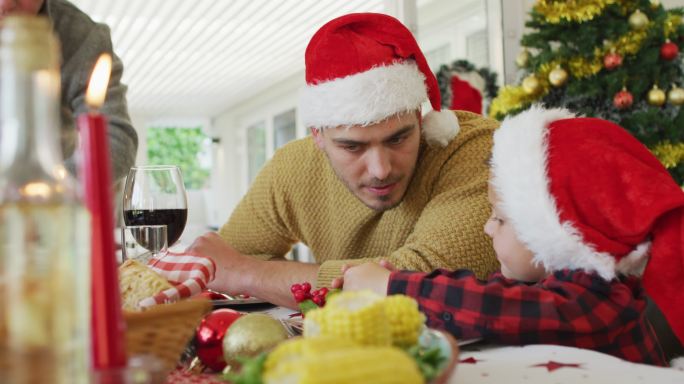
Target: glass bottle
44 235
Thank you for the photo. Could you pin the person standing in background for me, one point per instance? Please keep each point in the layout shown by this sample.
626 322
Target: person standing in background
82 41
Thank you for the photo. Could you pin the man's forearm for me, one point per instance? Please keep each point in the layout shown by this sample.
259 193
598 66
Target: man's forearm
271 280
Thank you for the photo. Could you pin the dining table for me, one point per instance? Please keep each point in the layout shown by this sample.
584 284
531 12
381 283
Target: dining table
481 363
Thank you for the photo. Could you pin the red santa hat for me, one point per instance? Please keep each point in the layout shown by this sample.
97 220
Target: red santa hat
582 193
362 68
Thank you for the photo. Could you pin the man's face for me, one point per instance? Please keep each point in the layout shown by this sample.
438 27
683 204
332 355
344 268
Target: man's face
27 7
375 162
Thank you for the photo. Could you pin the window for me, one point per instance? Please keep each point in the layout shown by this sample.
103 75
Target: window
477 49
284 128
256 149
188 148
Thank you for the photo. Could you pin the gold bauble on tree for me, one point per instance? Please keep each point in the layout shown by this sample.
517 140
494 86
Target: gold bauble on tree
531 85
655 4
558 76
676 96
656 96
638 20
522 58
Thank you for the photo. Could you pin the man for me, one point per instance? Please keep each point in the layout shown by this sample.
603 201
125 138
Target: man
374 180
82 41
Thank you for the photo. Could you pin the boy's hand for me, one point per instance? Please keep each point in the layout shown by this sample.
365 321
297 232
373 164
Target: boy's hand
367 276
338 282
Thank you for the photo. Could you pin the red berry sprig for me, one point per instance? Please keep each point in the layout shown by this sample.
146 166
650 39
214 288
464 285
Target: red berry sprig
308 299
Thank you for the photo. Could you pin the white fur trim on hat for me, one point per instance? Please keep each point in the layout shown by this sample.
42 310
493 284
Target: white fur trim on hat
519 160
439 127
363 98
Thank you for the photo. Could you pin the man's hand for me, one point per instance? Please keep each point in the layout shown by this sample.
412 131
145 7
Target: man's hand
232 267
366 276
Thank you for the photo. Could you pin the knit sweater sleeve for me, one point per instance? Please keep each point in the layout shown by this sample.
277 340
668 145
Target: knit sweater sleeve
82 43
256 226
449 233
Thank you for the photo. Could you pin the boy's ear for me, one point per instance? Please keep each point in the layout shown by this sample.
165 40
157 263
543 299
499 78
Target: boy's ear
318 137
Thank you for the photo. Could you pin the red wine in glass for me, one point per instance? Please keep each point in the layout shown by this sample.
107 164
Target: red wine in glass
174 219
155 195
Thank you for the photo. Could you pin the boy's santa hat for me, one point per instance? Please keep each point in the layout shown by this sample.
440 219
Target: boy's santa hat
582 193
362 68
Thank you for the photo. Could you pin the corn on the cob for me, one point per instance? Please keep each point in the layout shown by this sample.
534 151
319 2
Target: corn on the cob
360 364
305 349
406 321
357 316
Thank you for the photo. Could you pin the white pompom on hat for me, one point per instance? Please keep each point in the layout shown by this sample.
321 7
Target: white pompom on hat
362 68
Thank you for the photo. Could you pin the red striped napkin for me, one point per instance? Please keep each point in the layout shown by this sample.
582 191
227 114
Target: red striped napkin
189 274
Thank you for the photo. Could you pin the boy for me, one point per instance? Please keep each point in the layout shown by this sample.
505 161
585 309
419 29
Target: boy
578 205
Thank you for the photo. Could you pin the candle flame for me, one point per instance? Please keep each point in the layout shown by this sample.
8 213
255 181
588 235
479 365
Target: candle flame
99 80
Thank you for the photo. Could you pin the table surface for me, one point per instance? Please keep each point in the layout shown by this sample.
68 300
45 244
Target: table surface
484 363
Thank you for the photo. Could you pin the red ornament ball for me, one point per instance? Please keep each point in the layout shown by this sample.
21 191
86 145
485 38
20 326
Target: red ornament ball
612 60
209 336
669 51
623 99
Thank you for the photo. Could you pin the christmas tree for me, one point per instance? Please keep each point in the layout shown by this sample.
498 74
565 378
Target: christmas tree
614 59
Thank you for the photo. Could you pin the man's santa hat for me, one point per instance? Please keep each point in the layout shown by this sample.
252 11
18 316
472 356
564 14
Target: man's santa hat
365 67
582 193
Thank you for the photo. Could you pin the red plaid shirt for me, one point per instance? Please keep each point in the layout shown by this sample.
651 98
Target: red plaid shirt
571 308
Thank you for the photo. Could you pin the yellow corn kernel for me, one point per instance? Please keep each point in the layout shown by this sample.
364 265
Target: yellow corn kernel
300 348
406 321
357 316
378 365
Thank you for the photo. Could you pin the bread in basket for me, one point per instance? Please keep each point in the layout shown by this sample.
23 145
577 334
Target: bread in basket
163 330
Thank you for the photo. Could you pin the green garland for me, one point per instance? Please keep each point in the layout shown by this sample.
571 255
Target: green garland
463 66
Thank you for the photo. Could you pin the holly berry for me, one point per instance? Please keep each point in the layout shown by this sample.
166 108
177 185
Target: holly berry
295 287
306 287
323 291
319 300
300 296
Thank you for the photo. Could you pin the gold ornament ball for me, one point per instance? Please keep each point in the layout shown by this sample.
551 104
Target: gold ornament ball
522 58
250 335
638 20
655 4
558 77
676 96
656 96
530 85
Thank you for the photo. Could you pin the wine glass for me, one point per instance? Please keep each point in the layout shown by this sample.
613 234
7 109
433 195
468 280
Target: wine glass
155 195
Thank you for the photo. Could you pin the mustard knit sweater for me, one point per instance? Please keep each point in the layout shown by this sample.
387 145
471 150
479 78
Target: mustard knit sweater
439 223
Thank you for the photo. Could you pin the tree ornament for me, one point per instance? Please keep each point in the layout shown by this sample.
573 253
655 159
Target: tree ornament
558 76
522 58
209 337
655 4
669 50
623 99
656 96
676 96
638 20
531 85
612 60
250 335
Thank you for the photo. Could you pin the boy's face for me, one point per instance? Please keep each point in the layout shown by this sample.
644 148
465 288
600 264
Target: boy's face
29 7
375 162
515 258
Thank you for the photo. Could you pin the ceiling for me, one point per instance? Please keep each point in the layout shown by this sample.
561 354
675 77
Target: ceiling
197 58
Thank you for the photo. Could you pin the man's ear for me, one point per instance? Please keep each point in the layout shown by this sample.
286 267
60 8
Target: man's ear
318 137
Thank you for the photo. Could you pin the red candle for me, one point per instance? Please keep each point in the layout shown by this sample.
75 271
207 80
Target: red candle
107 327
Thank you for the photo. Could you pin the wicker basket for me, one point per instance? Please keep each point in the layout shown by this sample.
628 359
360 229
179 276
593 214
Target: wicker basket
163 331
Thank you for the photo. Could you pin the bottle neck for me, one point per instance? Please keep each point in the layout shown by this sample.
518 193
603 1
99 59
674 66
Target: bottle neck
29 117
30 152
